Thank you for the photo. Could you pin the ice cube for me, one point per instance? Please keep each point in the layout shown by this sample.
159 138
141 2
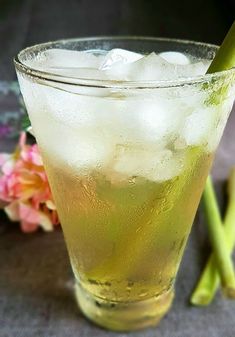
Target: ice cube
71 58
63 58
153 120
199 126
196 127
84 73
81 151
87 114
67 108
193 69
133 120
157 119
223 113
153 67
175 57
150 67
92 152
119 56
205 126
155 165
168 165
78 136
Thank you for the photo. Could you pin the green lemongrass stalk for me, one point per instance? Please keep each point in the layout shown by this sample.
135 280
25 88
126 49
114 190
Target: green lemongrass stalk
218 240
225 57
210 280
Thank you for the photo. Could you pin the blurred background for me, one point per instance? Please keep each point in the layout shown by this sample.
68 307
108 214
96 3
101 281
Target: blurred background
27 22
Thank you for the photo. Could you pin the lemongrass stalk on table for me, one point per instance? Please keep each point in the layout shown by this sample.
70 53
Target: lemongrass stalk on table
218 240
210 280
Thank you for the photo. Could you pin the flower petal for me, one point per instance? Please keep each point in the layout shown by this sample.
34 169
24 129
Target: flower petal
28 227
31 154
22 140
45 222
28 213
25 186
50 204
8 166
12 210
4 157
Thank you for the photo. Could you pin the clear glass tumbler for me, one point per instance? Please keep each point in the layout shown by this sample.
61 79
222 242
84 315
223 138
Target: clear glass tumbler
127 162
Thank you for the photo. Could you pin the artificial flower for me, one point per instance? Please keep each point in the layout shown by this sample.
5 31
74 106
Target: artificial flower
24 188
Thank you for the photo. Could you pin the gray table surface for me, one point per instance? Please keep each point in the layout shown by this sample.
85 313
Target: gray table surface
36 283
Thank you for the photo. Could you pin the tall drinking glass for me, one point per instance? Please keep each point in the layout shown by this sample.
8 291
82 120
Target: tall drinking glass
127 162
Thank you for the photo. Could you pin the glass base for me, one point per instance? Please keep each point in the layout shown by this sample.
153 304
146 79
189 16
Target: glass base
122 316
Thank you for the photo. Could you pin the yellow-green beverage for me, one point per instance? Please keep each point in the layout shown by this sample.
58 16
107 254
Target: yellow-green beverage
127 161
126 237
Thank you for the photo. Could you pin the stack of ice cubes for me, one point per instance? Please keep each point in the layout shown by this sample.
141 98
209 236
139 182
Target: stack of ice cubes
144 135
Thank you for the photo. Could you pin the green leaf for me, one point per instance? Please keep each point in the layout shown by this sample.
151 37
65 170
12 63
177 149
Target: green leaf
25 122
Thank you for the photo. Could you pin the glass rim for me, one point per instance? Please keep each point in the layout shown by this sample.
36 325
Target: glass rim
116 84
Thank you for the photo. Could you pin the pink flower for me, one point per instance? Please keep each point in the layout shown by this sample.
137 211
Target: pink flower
25 190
